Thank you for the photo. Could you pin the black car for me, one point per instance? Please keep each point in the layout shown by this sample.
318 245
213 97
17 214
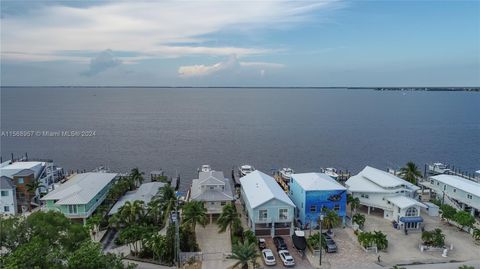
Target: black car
279 243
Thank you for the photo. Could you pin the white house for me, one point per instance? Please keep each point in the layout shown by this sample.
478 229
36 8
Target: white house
8 200
213 189
269 210
380 190
456 191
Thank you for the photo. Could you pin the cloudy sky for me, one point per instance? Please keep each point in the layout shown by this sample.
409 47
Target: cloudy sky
248 43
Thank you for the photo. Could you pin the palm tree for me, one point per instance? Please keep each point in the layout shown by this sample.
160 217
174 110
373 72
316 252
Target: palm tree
154 210
194 212
131 212
476 234
331 219
137 176
314 240
244 253
167 200
93 224
228 218
380 240
466 267
359 219
410 173
32 188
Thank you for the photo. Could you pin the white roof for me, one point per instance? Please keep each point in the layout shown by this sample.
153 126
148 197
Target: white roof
317 182
80 189
404 201
260 188
11 169
379 181
459 183
144 193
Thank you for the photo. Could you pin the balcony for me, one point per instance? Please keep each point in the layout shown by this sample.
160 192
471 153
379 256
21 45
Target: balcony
276 220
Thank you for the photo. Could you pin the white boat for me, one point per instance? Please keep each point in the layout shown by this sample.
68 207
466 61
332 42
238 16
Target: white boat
245 170
438 168
286 173
331 172
205 168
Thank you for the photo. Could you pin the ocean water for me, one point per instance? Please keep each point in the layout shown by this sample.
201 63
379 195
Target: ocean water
179 129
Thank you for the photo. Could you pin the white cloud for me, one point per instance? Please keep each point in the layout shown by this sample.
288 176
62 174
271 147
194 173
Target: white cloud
151 29
230 64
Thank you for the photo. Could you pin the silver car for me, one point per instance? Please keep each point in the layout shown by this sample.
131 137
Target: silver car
268 257
286 258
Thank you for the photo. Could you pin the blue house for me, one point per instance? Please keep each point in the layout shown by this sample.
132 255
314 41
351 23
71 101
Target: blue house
312 193
269 210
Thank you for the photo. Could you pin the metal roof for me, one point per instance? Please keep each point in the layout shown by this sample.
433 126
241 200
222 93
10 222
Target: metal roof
260 188
81 188
144 193
459 183
404 201
211 178
374 180
316 182
11 169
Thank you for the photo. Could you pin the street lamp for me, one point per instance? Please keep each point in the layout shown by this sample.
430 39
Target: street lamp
320 239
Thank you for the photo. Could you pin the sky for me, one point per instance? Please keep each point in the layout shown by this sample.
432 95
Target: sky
248 43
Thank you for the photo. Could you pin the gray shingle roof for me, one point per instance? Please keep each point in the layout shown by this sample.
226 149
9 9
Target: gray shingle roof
6 183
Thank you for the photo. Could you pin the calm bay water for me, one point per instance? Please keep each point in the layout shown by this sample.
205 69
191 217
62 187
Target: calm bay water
181 129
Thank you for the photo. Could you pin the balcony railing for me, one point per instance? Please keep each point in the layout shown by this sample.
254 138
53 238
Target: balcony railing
270 220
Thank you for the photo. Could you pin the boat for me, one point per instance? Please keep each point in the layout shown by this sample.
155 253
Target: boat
205 168
438 168
286 173
245 170
331 172
299 241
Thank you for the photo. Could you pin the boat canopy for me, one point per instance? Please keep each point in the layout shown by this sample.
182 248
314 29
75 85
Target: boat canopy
299 241
411 219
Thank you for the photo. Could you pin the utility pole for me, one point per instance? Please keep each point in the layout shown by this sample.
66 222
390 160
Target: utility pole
321 235
177 234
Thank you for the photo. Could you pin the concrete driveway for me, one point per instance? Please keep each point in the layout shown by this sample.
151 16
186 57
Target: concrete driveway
215 246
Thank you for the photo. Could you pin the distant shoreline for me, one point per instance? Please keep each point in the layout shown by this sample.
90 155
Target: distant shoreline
467 89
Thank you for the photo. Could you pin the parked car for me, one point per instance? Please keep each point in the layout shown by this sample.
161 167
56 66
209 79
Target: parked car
261 243
331 246
286 258
279 243
268 257
173 217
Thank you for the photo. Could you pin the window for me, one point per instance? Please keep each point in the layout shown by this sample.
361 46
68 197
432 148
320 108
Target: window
6 208
454 190
212 203
4 193
212 187
438 183
364 196
72 209
444 187
262 214
20 180
283 213
336 207
223 203
469 196
432 181
324 209
313 208
411 212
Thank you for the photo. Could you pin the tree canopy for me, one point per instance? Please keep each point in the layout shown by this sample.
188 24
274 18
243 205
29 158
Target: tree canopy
55 242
